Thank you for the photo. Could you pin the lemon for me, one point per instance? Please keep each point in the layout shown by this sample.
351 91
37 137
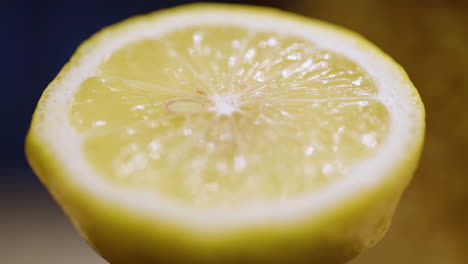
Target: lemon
215 133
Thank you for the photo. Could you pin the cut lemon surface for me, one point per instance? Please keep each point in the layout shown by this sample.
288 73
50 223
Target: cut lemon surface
217 133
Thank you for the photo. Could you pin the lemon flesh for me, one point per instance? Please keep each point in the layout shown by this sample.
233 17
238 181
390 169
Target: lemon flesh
225 116
200 135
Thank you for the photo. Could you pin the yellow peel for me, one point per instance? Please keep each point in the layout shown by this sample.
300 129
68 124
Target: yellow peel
131 224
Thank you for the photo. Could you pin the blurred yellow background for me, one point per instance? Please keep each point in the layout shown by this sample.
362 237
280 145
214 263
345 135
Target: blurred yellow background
430 39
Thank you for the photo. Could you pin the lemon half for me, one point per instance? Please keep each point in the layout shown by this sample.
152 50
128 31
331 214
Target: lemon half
214 133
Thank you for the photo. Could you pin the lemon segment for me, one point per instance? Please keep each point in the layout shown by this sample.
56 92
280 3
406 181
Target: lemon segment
213 116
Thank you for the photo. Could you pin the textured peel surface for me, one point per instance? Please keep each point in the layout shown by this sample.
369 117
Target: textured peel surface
223 116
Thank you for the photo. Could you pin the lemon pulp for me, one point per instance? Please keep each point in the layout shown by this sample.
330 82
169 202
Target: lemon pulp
223 116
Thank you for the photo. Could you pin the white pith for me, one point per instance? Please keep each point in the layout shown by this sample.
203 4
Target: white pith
394 92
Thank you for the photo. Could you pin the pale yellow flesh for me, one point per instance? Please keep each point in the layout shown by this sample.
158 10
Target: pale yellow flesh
220 116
